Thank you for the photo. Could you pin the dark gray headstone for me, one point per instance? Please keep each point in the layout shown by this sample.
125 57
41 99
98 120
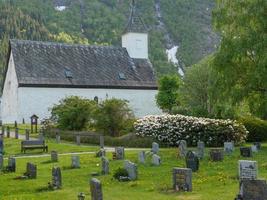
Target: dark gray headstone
182 179
8 132
119 153
11 167
142 157
247 169
96 189
27 134
192 161
1 146
156 160
200 149
253 190
105 165
56 178
182 146
246 152
155 148
31 170
101 141
16 133
75 162
131 168
54 156
78 140
1 162
216 155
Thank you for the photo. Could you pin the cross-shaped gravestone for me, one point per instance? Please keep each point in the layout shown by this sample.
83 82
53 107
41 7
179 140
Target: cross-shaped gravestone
156 160
192 161
56 178
119 153
247 169
182 148
105 165
216 155
131 168
96 189
155 148
31 170
11 164
54 156
228 147
246 152
142 157
200 149
182 179
75 162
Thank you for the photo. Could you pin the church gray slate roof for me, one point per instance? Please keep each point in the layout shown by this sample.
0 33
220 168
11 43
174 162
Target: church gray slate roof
45 64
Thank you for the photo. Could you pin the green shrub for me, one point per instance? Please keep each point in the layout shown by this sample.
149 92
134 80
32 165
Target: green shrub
257 129
73 113
120 172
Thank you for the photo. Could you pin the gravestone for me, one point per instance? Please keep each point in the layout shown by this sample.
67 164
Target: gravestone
254 149
200 149
54 156
16 133
75 162
31 171
15 124
246 152
155 148
81 196
192 161
78 140
156 160
27 134
56 178
182 146
142 157
119 153
1 162
182 179
57 138
101 153
216 155
11 167
8 132
258 145
101 141
228 147
105 165
96 189
253 190
3 131
131 168
247 169
1 146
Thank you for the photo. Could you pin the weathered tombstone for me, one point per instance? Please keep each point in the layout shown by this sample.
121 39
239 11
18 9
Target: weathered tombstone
81 196
1 146
119 153
247 169
78 140
54 156
105 165
182 179
75 162
142 157
131 168
228 147
101 153
156 160
216 155
57 138
101 141
1 162
258 145
192 161
56 178
31 170
8 132
182 146
246 152
96 189
254 149
155 147
27 134
200 149
11 167
253 190
16 133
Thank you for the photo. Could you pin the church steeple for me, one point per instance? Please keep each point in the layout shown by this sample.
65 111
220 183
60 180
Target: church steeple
135 37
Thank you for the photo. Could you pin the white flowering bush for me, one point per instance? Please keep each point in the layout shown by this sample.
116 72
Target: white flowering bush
170 129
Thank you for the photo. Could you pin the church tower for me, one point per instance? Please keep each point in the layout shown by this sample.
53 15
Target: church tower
135 37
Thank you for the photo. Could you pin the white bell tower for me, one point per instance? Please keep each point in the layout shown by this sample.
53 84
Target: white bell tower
135 37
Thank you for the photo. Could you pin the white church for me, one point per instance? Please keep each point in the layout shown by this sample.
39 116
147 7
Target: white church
40 74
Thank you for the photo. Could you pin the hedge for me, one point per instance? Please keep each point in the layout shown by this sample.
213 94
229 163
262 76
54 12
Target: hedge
172 128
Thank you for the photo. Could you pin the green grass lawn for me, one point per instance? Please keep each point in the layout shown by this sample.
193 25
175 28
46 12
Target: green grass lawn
214 181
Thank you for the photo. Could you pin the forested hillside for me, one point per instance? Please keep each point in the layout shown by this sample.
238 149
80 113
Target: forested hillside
183 23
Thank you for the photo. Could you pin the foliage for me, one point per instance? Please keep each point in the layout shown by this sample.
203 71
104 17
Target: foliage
167 96
257 128
113 117
120 172
241 61
172 128
73 113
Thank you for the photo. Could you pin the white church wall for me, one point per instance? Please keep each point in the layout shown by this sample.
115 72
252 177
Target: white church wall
9 103
38 100
136 44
